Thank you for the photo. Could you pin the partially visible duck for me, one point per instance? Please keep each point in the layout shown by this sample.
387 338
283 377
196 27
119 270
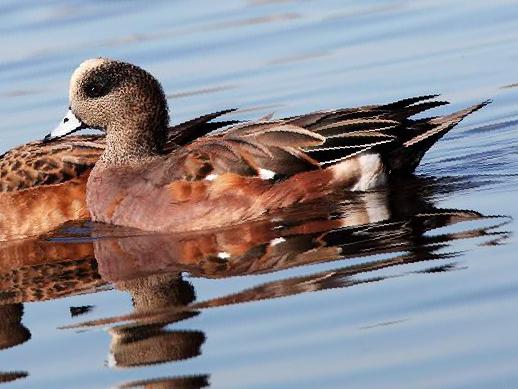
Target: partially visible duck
242 173
43 185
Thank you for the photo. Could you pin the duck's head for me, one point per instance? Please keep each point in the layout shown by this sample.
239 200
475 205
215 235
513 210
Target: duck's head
119 98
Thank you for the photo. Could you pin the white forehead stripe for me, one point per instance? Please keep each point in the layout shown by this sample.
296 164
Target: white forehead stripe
82 70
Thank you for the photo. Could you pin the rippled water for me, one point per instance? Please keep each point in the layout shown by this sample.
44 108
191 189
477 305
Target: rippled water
425 297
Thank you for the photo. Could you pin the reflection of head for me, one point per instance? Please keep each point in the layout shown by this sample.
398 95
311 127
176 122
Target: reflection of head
12 331
146 341
194 382
145 345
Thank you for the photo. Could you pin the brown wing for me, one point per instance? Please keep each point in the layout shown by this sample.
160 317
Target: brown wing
252 149
281 148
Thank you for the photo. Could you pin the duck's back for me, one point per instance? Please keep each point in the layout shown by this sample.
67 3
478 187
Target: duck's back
37 163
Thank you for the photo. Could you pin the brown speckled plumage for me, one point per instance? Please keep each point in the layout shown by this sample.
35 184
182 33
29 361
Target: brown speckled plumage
38 163
49 281
34 211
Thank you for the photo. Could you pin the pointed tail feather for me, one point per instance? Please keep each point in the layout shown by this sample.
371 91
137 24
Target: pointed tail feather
406 158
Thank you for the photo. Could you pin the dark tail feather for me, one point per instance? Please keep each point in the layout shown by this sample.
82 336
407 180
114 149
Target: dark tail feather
402 104
406 158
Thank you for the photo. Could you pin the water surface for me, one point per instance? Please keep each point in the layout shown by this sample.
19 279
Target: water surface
423 295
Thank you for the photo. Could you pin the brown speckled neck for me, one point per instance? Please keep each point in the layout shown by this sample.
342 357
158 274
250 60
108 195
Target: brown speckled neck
135 146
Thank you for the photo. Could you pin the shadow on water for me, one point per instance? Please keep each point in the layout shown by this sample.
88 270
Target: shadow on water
389 228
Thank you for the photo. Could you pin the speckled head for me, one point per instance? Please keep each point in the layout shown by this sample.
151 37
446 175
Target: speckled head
120 98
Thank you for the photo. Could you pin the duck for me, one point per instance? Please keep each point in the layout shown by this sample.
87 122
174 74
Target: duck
242 173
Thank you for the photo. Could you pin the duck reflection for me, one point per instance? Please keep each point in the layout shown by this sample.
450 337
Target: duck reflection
12 333
194 382
12 376
393 225
146 341
365 225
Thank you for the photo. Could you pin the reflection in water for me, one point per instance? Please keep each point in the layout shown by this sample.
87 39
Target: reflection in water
194 382
46 281
395 223
12 333
12 376
148 342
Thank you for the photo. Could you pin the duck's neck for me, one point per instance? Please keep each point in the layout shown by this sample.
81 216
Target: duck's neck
128 146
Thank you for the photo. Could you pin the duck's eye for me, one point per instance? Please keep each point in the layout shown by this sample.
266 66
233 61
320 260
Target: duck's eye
98 85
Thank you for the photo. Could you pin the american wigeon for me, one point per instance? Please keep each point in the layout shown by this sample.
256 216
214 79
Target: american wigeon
242 173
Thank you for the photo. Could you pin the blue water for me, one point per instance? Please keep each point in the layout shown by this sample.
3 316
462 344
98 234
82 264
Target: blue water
445 318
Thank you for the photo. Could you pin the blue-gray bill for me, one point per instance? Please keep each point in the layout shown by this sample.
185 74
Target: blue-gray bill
68 125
